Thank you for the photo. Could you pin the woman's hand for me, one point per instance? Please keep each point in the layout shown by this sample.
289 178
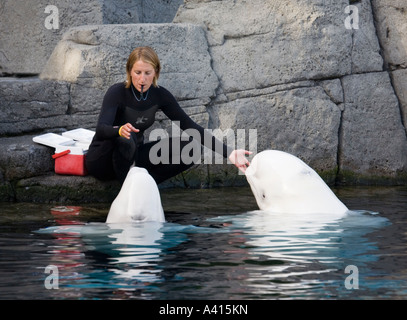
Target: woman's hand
238 158
126 130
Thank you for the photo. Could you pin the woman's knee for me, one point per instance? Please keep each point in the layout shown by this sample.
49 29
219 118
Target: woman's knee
125 148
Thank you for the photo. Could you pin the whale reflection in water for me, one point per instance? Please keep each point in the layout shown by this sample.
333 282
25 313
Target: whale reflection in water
134 250
304 239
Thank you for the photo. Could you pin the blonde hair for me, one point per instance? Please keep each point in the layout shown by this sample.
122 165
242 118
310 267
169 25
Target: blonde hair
146 54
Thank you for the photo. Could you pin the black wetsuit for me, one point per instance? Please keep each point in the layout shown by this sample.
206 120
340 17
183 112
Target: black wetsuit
111 156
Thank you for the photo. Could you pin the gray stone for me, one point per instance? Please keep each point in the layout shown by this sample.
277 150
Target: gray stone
391 22
373 139
365 45
157 11
24 25
303 121
265 43
21 158
333 88
27 41
65 189
400 86
30 104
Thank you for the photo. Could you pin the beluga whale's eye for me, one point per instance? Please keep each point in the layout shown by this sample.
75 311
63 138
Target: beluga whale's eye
264 196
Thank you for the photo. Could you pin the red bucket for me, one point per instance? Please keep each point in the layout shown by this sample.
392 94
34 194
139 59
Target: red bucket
70 164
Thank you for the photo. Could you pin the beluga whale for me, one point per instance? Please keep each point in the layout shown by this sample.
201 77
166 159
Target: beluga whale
282 183
138 200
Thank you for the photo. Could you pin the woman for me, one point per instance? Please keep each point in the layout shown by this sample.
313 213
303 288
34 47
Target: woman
129 109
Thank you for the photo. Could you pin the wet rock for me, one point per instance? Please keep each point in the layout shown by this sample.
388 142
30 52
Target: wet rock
65 189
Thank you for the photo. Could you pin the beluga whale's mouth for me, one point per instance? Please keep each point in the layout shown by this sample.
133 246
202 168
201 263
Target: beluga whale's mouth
138 200
283 183
257 191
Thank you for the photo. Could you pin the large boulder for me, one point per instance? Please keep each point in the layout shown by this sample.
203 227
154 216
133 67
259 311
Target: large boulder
31 29
300 118
32 105
21 158
264 43
399 78
391 22
374 142
157 11
65 189
307 75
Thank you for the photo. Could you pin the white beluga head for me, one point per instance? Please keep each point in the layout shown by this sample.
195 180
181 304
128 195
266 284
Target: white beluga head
138 200
283 183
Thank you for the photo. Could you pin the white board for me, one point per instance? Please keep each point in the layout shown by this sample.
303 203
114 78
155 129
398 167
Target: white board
81 135
53 140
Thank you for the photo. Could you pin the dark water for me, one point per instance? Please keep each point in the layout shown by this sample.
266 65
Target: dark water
214 245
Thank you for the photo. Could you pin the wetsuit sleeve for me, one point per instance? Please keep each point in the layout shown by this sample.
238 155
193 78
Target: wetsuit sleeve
174 112
105 128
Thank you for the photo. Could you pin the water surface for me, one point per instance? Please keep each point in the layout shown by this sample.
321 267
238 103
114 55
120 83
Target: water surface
214 245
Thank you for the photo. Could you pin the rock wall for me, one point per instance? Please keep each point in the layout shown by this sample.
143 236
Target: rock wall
39 25
391 26
324 80
309 83
85 54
